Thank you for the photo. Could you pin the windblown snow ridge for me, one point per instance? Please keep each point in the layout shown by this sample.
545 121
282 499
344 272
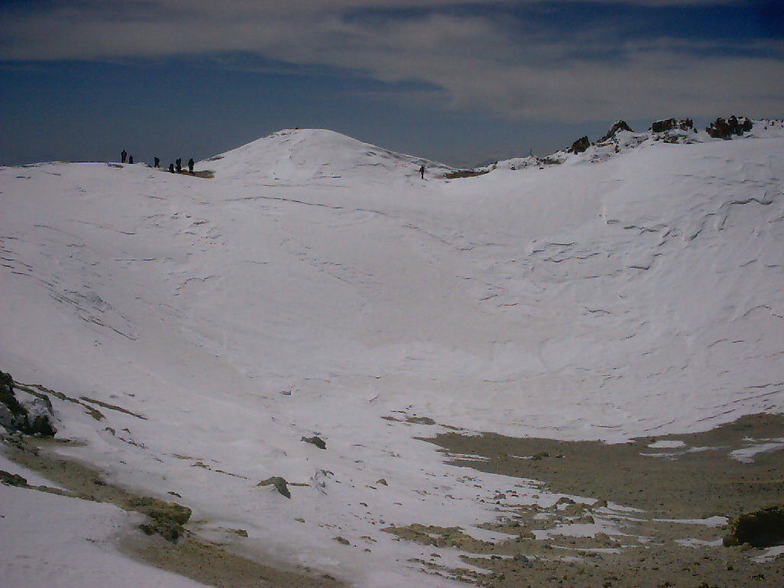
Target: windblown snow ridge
620 138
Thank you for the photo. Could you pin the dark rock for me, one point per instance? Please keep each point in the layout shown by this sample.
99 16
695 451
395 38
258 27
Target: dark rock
522 560
661 126
620 125
160 510
281 485
725 129
580 145
7 396
167 529
12 479
760 528
686 124
41 427
317 441
465 173
382 481
16 417
165 518
417 420
342 540
670 124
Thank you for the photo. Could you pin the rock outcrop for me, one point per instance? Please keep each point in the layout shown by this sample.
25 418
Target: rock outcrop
725 129
580 145
34 418
761 528
670 124
618 126
280 484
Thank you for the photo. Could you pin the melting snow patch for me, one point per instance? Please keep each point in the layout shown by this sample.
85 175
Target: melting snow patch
770 554
691 542
667 444
746 455
709 522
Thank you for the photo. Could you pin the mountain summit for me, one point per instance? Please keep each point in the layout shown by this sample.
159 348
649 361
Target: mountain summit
314 155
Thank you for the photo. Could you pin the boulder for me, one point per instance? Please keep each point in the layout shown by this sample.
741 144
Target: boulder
160 510
317 441
671 124
580 145
663 125
725 129
164 518
35 419
760 528
280 484
686 124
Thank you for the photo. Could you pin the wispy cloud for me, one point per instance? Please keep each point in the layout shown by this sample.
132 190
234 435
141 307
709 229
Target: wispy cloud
472 53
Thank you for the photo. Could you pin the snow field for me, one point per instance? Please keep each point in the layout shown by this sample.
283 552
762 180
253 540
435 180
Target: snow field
317 285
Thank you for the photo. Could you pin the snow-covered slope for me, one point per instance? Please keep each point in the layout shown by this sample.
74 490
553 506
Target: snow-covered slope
621 139
314 156
317 285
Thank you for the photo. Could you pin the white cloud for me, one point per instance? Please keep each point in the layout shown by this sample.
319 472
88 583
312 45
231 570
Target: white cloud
475 59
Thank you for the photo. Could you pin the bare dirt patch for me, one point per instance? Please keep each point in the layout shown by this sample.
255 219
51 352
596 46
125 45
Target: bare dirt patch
661 500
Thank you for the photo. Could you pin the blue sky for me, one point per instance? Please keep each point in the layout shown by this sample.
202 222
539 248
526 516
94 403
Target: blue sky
457 81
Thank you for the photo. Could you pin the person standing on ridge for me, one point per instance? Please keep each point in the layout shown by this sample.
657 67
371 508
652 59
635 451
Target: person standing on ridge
123 155
171 168
130 160
157 162
190 165
422 171
178 164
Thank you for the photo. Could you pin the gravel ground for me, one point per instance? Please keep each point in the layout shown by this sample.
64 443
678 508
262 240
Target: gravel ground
672 480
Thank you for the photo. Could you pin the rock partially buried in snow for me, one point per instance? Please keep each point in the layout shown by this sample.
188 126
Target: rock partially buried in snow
280 484
317 441
33 418
618 126
161 510
580 145
670 124
166 518
10 479
725 129
760 528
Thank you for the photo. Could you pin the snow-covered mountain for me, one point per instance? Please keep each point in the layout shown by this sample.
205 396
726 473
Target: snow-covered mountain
315 156
316 285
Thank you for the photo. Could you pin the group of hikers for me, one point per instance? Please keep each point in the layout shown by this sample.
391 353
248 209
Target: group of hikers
175 167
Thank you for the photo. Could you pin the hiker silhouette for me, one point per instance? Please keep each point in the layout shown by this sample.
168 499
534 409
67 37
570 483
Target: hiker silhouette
190 165
130 160
123 155
157 162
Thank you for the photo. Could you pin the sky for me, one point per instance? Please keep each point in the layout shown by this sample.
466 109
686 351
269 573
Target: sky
462 82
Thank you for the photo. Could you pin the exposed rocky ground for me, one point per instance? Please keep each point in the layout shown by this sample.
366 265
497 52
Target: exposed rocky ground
163 539
665 502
